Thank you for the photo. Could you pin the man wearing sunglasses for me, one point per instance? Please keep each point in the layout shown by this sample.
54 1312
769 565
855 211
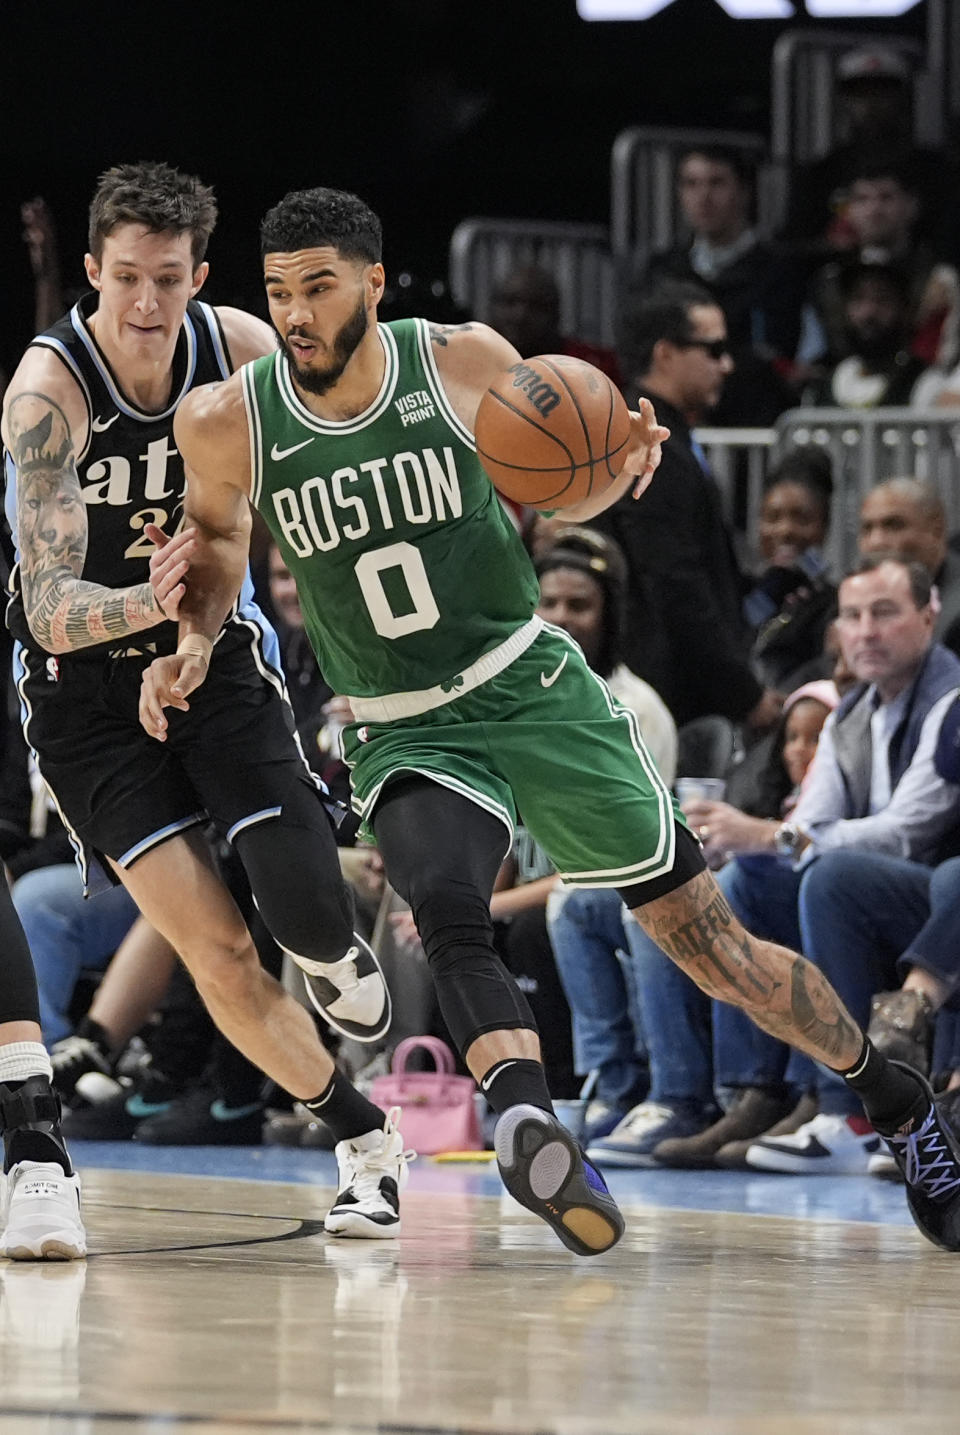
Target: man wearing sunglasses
685 633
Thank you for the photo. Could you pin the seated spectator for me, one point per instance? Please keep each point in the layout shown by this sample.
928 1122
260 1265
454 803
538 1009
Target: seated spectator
879 369
873 87
525 308
759 290
906 517
791 602
685 632
873 787
881 220
698 1047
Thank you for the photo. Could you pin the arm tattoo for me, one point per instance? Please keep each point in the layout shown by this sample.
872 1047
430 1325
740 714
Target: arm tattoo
439 332
63 612
784 994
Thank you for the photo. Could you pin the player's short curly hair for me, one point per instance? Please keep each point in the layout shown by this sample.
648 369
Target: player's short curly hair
157 196
312 218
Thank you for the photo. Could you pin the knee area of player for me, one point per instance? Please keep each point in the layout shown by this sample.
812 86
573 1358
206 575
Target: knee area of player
449 926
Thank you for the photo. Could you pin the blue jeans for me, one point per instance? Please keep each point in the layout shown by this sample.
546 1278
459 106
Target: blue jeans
866 919
697 1045
68 935
587 935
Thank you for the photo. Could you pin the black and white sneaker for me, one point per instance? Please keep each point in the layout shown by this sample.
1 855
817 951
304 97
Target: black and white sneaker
74 1058
929 1157
351 994
544 1169
372 1172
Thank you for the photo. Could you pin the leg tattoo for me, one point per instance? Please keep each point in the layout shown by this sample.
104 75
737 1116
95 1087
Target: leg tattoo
784 994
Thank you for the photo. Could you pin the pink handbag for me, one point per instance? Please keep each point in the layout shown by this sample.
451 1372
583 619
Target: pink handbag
438 1112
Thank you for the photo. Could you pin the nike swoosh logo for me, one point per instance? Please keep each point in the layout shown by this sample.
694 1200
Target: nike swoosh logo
220 1111
485 1083
101 425
278 453
136 1106
548 682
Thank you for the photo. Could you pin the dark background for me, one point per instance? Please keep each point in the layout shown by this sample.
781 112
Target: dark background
432 110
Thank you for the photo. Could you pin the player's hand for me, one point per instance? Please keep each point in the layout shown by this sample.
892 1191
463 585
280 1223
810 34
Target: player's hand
167 683
168 567
645 452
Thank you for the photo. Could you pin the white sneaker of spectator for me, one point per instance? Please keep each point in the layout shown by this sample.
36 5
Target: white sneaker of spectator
826 1146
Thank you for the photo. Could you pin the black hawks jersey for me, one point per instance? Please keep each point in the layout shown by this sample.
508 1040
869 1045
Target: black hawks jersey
130 471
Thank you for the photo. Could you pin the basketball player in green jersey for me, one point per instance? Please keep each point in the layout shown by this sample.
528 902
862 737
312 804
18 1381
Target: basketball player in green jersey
355 443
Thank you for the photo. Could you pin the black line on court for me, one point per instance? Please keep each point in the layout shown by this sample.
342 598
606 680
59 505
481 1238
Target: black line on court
304 1227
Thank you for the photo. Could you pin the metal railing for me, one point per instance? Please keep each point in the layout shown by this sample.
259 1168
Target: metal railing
483 251
865 447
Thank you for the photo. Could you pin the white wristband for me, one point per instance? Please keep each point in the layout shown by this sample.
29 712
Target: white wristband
195 645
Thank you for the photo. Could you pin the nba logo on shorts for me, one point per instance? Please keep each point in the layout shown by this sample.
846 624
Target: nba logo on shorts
53 670
363 734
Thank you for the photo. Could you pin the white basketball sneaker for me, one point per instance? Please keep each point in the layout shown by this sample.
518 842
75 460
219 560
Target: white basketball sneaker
41 1215
372 1173
351 994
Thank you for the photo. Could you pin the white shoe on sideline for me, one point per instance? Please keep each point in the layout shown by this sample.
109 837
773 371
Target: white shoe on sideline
42 1220
372 1173
826 1146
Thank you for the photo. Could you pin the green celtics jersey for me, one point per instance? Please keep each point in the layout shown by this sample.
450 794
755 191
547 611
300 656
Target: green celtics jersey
407 566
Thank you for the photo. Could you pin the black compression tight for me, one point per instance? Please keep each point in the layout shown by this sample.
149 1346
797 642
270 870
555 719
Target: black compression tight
442 853
18 983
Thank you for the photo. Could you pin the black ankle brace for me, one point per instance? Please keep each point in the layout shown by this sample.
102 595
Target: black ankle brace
30 1120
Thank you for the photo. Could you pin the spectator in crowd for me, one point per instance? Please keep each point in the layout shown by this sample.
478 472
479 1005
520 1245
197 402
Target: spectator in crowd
698 1047
906 517
872 788
685 633
874 98
792 601
882 214
879 368
525 308
759 290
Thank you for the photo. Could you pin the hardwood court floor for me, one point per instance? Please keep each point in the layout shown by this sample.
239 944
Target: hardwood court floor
212 1305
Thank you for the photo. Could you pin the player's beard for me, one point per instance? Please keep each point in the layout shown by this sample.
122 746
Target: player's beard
341 351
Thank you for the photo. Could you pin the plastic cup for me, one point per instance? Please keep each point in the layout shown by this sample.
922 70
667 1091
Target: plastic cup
699 789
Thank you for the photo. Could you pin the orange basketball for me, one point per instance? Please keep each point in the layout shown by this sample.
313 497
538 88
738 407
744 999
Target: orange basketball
551 431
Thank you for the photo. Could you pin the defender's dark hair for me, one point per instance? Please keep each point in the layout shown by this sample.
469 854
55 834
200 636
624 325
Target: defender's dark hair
921 583
310 218
587 551
664 314
155 195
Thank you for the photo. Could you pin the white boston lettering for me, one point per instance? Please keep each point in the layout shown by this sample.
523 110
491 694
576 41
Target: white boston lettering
322 512
416 508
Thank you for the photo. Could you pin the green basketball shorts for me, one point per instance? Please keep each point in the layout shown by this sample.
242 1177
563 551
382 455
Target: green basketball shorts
543 742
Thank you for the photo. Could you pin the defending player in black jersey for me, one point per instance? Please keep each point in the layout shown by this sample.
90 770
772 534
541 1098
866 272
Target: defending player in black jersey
94 481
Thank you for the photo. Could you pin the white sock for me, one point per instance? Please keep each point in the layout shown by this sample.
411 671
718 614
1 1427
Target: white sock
19 1060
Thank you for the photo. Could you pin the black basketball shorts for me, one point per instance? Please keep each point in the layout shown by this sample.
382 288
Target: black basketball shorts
233 758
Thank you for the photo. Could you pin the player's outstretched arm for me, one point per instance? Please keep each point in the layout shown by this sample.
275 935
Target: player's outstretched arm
44 428
211 433
470 357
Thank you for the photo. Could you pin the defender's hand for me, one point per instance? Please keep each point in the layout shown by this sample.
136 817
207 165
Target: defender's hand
168 566
644 453
166 684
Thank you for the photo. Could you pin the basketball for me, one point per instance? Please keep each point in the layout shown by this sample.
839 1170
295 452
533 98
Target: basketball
552 431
